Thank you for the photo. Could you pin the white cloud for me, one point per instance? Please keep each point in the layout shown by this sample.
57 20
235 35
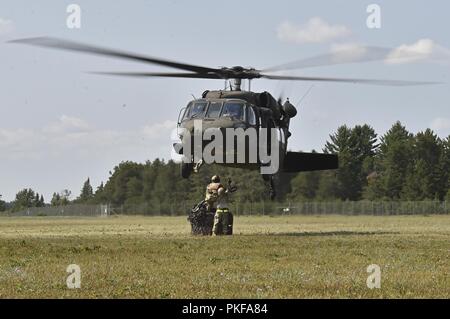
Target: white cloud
6 26
441 124
67 124
422 50
158 130
315 30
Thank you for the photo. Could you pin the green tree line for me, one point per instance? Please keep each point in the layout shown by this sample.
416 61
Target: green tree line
398 165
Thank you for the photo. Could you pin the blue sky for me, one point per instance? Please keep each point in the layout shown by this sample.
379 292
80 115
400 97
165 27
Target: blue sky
59 125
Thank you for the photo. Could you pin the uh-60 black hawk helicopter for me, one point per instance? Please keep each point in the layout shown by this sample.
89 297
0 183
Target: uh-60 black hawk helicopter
237 108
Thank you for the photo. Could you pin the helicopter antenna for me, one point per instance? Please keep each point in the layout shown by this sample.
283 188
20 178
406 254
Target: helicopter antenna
304 95
194 96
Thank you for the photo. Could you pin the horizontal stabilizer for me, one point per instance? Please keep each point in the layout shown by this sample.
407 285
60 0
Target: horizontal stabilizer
304 162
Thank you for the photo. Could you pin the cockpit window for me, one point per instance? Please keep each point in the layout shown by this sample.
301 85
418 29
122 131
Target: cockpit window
251 117
186 111
214 109
233 109
195 110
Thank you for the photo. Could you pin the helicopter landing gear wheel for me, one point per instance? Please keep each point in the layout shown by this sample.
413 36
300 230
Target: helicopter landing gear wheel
186 169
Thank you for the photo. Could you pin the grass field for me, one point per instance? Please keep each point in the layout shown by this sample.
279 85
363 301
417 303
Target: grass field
268 257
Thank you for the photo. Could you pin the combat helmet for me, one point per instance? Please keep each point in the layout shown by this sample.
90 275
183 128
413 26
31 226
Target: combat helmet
215 179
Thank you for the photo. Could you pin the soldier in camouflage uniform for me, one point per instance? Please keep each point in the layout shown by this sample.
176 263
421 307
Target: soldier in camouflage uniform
223 219
212 193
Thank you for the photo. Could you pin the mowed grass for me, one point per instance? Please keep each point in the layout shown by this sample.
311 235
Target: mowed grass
268 257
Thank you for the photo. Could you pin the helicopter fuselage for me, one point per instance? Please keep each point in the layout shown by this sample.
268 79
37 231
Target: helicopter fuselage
229 114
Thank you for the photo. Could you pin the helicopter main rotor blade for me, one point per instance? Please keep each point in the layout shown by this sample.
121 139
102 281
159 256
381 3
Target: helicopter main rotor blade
346 80
56 43
352 54
163 75
357 54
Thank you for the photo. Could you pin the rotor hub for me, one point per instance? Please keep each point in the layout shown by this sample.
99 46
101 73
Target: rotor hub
239 72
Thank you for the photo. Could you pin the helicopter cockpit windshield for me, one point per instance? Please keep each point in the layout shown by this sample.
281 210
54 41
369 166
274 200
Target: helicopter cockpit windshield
233 110
195 110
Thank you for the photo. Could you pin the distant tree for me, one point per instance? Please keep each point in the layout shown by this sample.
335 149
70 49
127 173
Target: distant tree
339 141
340 144
365 146
41 201
100 188
428 177
283 185
26 198
355 148
65 197
61 199
116 188
304 186
56 200
87 192
328 188
100 196
37 201
150 172
392 163
445 162
2 204
164 184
